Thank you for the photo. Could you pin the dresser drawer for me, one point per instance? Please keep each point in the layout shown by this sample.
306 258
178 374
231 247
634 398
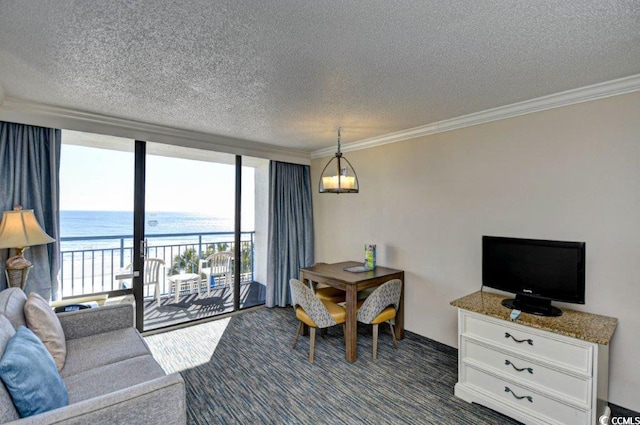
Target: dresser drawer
522 399
523 370
556 349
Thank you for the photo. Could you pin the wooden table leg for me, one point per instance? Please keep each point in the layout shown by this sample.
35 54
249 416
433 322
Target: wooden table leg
351 324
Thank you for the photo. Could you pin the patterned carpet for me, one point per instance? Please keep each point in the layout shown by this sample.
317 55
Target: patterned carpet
242 370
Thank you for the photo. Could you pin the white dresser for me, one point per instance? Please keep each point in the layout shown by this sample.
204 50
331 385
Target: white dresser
537 370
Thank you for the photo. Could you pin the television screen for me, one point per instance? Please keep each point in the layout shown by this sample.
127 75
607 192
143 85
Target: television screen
530 268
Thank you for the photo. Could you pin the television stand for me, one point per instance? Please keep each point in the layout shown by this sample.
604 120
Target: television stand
532 305
537 370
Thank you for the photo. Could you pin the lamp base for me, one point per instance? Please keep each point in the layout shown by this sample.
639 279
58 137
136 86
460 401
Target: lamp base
17 278
17 270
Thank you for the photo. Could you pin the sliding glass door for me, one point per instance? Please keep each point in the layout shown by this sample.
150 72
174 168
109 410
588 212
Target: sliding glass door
96 216
190 229
180 231
254 223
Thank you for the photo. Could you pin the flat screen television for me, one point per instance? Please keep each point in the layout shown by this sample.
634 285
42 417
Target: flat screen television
537 271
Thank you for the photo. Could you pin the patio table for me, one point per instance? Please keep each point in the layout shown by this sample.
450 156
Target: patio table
182 280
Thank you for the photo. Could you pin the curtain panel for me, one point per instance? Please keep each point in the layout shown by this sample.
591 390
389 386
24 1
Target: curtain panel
290 228
29 170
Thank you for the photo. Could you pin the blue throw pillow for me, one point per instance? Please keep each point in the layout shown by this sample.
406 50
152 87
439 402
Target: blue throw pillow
31 376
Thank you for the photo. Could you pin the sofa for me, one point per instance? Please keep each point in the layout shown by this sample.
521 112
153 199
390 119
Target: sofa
109 372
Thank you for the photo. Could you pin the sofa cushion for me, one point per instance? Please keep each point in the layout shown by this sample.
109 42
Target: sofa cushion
12 306
44 323
8 411
31 375
6 332
113 377
102 349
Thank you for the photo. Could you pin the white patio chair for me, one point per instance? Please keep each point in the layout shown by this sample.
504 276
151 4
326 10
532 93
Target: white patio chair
217 266
152 267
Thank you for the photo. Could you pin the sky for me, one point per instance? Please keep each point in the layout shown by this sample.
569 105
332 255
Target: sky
102 180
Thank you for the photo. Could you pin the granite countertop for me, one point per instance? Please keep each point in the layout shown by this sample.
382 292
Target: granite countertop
586 326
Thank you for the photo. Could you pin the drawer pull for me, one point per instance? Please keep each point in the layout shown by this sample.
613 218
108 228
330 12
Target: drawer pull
528 397
508 335
528 369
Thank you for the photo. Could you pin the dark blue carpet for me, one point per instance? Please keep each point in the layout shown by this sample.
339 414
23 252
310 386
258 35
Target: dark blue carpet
254 377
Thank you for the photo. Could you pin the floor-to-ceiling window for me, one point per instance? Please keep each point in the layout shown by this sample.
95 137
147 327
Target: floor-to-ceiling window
254 226
96 213
192 202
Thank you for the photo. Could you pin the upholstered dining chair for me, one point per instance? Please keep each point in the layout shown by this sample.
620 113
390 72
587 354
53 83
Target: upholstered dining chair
328 293
313 312
379 307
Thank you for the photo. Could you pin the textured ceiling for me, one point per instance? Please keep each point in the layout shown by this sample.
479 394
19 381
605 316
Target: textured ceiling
288 73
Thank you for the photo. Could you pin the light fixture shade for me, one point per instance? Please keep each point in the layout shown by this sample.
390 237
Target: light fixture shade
338 176
20 229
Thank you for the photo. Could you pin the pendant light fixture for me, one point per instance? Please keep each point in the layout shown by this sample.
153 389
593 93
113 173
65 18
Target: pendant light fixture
338 176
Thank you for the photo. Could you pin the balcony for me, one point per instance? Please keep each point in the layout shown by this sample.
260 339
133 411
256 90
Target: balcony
89 266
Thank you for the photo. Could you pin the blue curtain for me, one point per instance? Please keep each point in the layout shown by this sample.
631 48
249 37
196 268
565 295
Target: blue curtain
290 228
29 169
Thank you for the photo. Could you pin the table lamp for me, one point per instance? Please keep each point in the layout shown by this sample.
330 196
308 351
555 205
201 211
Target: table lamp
19 229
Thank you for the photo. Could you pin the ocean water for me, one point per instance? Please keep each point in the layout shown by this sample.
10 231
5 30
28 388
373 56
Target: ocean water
96 224
90 265
116 223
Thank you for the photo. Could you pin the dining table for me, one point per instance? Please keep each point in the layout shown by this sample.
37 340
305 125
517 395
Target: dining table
336 276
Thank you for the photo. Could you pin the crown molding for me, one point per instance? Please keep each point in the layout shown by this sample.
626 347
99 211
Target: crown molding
25 112
557 100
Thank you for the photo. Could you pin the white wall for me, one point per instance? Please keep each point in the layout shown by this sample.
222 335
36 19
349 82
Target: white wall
571 173
261 241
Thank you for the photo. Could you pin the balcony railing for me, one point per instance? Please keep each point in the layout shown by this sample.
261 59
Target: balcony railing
89 264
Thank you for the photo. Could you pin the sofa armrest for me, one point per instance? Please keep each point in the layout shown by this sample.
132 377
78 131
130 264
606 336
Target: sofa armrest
92 321
160 401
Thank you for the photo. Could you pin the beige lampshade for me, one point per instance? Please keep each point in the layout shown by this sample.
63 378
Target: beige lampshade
20 229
